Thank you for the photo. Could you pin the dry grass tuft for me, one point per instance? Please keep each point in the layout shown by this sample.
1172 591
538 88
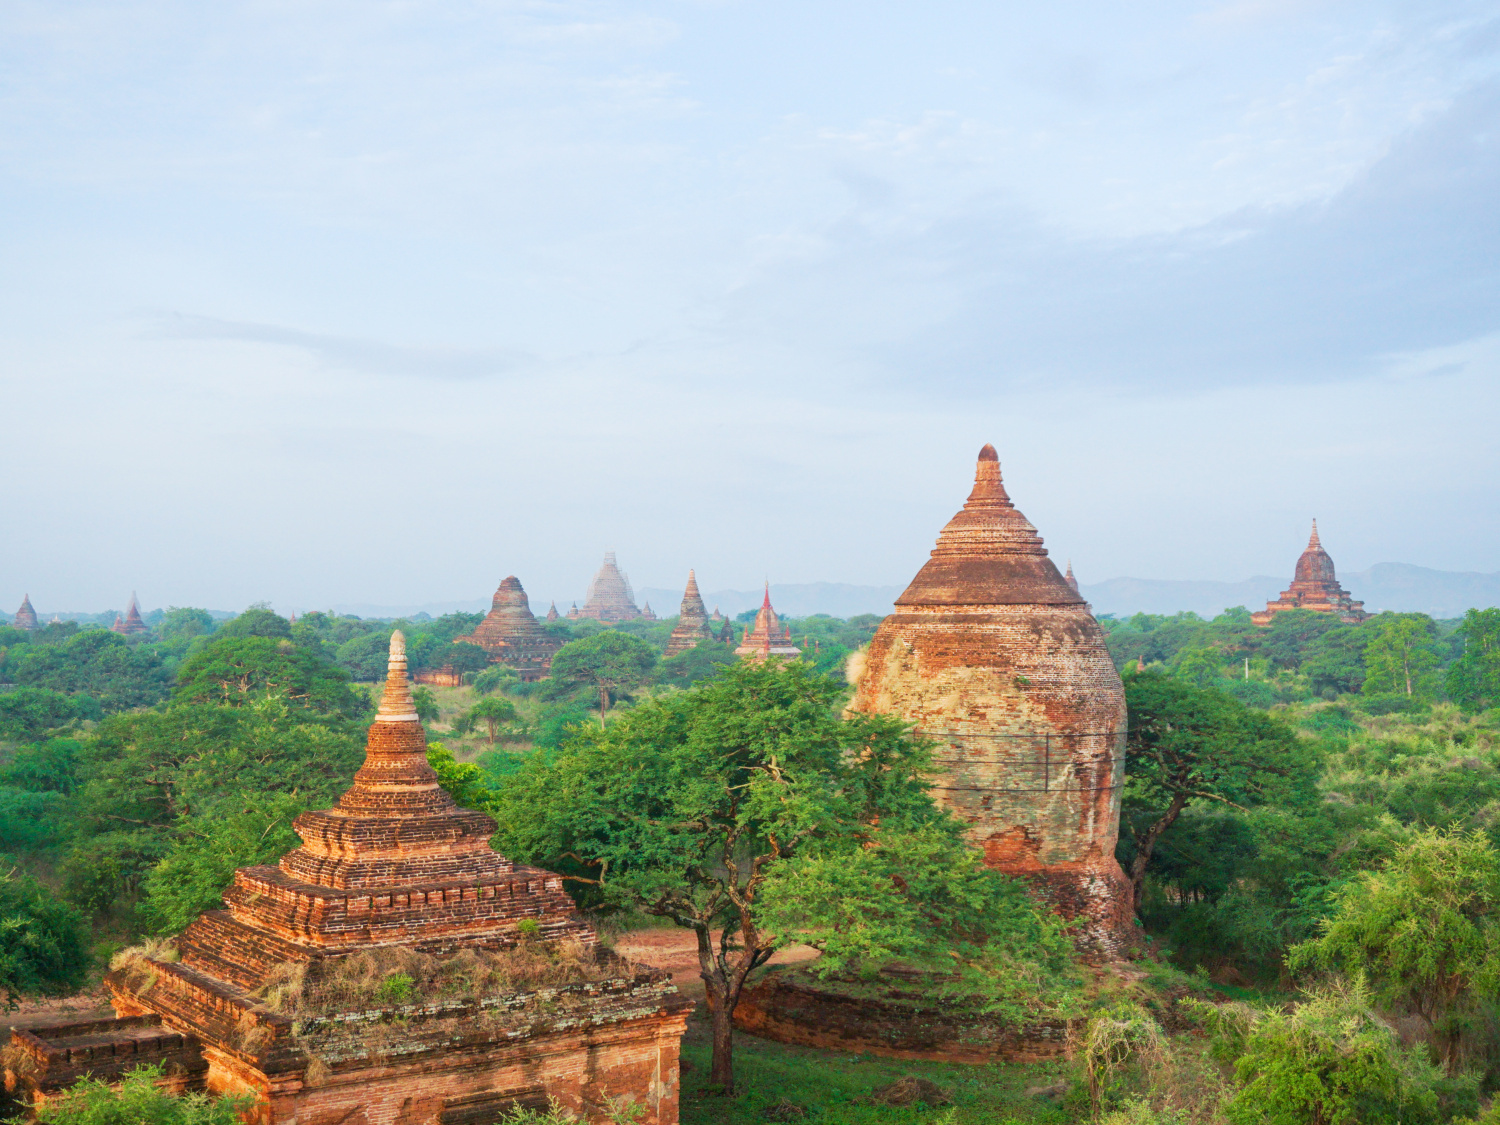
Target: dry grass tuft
397 976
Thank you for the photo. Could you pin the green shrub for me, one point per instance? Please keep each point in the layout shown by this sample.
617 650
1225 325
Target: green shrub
138 1101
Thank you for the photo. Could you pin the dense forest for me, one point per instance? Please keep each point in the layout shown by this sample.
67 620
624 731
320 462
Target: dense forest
1310 824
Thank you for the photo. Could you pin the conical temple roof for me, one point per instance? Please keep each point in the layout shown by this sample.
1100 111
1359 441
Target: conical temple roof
692 601
25 616
610 597
989 554
1315 565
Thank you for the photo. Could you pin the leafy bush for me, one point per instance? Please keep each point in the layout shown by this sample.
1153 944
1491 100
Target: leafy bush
138 1101
42 946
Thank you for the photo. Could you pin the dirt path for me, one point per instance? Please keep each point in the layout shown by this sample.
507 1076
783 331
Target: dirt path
676 950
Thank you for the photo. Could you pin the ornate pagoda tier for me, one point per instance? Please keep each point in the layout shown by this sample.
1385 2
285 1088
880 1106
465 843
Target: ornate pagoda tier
131 624
768 636
25 617
1315 587
396 869
610 597
513 636
996 658
692 621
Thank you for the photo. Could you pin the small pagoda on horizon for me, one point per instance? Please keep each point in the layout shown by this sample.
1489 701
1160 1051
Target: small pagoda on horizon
131 624
610 597
1315 587
692 621
767 637
25 617
512 635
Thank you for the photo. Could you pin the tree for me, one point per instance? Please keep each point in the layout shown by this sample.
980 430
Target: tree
425 704
690 806
179 624
94 662
1402 655
1474 678
492 710
694 664
1335 661
138 1101
611 662
1329 1060
236 669
42 946
365 657
258 621
1425 930
1189 744
192 876
27 713
1292 632
460 656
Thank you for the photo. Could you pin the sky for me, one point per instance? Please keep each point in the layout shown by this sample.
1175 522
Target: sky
325 302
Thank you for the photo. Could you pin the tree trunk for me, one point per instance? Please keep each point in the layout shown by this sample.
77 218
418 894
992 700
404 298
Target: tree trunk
722 983
721 1070
1146 844
603 703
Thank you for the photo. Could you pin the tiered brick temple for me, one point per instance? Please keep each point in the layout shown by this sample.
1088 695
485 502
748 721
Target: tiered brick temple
552 612
131 624
610 597
996 658
692 621
513 636
1314 587
647 613
395 869
767 636
25 617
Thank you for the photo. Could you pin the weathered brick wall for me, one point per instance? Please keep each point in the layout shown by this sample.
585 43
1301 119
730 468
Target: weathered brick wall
793 1010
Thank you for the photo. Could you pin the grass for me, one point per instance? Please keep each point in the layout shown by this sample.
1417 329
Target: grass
825 1084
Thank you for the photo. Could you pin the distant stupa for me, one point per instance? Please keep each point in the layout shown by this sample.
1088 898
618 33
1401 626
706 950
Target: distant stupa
512 636
692 621
767 636
1314 587
26 616
131 624
610 597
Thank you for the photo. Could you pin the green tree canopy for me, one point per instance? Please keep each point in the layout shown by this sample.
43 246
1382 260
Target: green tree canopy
694 664
689 805
28 713
1474 679
1425 930
492 712
182 624
42 945
94 662
1189 744
235 669
258 621
611 662
1402 656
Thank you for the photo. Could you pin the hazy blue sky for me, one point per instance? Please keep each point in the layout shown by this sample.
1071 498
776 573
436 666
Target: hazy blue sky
327 302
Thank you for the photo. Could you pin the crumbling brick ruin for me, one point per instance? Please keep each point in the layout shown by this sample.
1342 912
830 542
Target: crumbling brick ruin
512 635
290 995
1315 587
997 659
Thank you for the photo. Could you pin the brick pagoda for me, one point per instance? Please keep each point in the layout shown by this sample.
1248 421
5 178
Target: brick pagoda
25 617
767 636
131 624
1314 587
513 636
395 866
996 658
692 621
610 597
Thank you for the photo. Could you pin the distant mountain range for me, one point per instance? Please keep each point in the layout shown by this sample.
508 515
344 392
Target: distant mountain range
1394 586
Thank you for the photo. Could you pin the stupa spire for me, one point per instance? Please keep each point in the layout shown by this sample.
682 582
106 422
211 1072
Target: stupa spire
396 705
1314 541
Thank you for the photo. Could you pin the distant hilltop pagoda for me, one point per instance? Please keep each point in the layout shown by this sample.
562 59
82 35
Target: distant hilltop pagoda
767 636
1314 587
692 621
513 636
996 658
25 617
277 997
131 624
610 597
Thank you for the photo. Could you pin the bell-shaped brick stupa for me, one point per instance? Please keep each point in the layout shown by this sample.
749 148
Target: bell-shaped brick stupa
996 658
1315 587
610 597
513 636
396 887
692 621
25 617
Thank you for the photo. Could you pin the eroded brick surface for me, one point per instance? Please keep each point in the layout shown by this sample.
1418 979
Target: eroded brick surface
997 659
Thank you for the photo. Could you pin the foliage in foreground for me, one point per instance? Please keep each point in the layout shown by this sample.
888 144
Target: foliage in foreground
138 1101
42 945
